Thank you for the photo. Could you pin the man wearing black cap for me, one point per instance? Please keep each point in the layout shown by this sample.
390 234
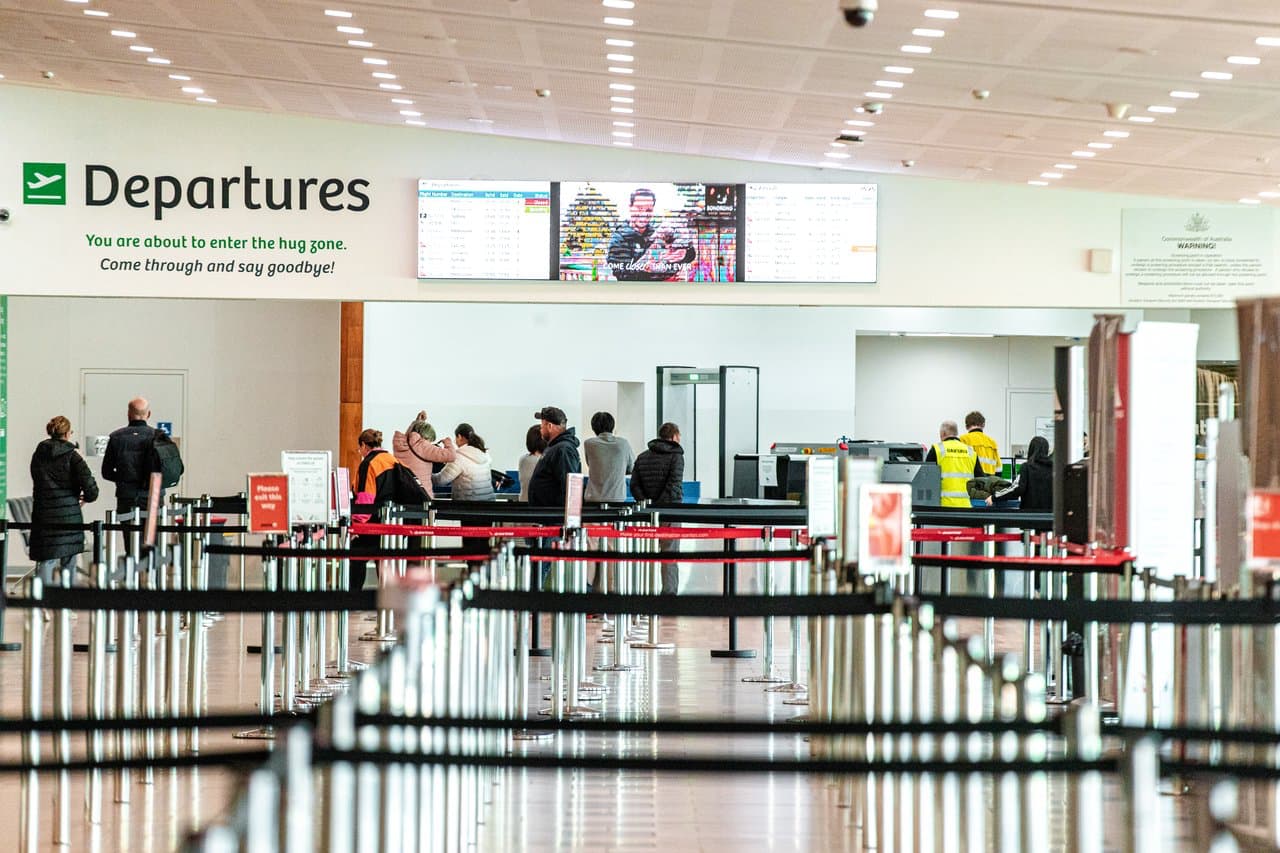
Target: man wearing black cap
546 485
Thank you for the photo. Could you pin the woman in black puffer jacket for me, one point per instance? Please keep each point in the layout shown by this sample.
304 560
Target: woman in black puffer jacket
62 482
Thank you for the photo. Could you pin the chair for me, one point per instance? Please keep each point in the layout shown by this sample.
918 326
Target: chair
20 510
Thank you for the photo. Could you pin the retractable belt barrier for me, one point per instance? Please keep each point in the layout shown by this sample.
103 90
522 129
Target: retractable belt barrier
595 531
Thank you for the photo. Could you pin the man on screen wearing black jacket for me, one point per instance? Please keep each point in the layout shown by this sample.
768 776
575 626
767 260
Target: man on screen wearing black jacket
632 255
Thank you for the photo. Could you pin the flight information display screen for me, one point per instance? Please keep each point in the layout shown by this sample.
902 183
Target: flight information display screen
810 233
484 229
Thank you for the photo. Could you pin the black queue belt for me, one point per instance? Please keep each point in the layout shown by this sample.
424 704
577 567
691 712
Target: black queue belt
1227 612
130 528
963 517
718 557
198 601
1085 565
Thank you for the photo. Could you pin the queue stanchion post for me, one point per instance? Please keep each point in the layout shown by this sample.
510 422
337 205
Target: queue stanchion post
289 680
589 690
524 577
97 697
267 661
989 550
126 680
730 582
32 684
792 683
1082 729
766 675
574 664
148 690
1028 592
654 572
1140 769
62 708
621 623
384 632
173 656
4 573
196 579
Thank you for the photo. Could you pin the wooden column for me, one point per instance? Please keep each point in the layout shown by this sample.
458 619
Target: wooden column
351 393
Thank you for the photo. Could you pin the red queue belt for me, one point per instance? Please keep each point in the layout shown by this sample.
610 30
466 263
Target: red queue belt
597 531
961 534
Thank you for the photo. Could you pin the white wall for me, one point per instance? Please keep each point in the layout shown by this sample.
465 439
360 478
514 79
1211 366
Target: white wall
907 386
262 376
494 366
941 242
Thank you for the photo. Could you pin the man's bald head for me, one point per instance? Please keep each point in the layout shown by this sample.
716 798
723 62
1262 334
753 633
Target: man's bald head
139 409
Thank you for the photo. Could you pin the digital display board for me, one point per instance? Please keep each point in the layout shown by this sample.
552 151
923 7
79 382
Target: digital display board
810 233
484 229
648 232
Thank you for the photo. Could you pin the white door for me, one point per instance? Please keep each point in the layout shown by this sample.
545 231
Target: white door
1027 407
104 404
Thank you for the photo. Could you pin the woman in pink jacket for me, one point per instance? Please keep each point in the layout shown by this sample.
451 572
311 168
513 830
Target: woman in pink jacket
415 448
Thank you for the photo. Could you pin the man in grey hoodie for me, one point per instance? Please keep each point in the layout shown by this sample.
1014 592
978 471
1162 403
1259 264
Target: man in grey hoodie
609 461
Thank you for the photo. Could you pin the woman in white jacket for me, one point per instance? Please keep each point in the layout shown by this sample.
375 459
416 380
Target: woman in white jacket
469 471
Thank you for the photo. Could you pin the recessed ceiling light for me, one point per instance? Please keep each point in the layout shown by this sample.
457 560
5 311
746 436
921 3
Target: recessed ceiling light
1142 119
1116 134
619 22
359 43
124 34
156 60
837 155
1267 41
351 31
1067 166
889 84
883 95
624 124
384 75
620 57
337 13
618 4
1251 201
1100 145
941 14
179 77
1 76
621 143
857 122
462 83
139 48
622 110
390 87
1244 60
1186 96
97 13
207 100
1161 108
899 69
1038 183
622 134
916 48
1084 154
837 145
1053 175
619 43
415 122
77 1
618 69
622 87
1216 75
193 90
1268 194
373 60
405 101
622 99
926 33
413 113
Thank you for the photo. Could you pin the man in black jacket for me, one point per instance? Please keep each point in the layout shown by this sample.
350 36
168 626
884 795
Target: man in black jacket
658 477
547 483
128 460
632 255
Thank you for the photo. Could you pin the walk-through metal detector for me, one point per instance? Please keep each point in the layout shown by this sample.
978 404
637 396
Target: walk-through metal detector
739 414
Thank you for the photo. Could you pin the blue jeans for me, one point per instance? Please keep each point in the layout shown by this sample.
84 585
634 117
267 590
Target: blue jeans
50 571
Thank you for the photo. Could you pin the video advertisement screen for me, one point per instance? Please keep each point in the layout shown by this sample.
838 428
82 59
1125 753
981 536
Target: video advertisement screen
648 232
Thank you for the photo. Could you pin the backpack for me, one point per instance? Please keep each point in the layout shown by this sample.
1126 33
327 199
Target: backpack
407 487
166 459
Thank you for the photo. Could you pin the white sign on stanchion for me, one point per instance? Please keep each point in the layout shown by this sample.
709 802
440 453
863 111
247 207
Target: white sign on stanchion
309 486
573 488
884 530
821 497
855 472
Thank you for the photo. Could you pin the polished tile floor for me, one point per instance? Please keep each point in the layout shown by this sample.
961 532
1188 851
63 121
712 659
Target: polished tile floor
537 809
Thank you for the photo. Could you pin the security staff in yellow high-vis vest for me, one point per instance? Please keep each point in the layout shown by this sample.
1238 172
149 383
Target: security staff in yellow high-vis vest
957 462
982 444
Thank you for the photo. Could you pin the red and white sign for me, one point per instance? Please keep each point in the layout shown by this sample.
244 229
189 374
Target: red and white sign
884 535
1264 527
268 503
573 488
153 508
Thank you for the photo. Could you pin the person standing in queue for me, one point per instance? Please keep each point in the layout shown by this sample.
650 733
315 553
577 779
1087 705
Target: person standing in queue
61 483
536 445
982 444
609 461
958 463
658 477
374 487
1033 487
128 460
547 482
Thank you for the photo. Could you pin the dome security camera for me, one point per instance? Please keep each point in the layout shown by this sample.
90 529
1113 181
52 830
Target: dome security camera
873 107
858 13
4 214
907 164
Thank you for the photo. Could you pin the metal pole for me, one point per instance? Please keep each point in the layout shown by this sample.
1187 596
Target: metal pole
766 675
1141 769
29 822
1083 729
97 695
62 708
